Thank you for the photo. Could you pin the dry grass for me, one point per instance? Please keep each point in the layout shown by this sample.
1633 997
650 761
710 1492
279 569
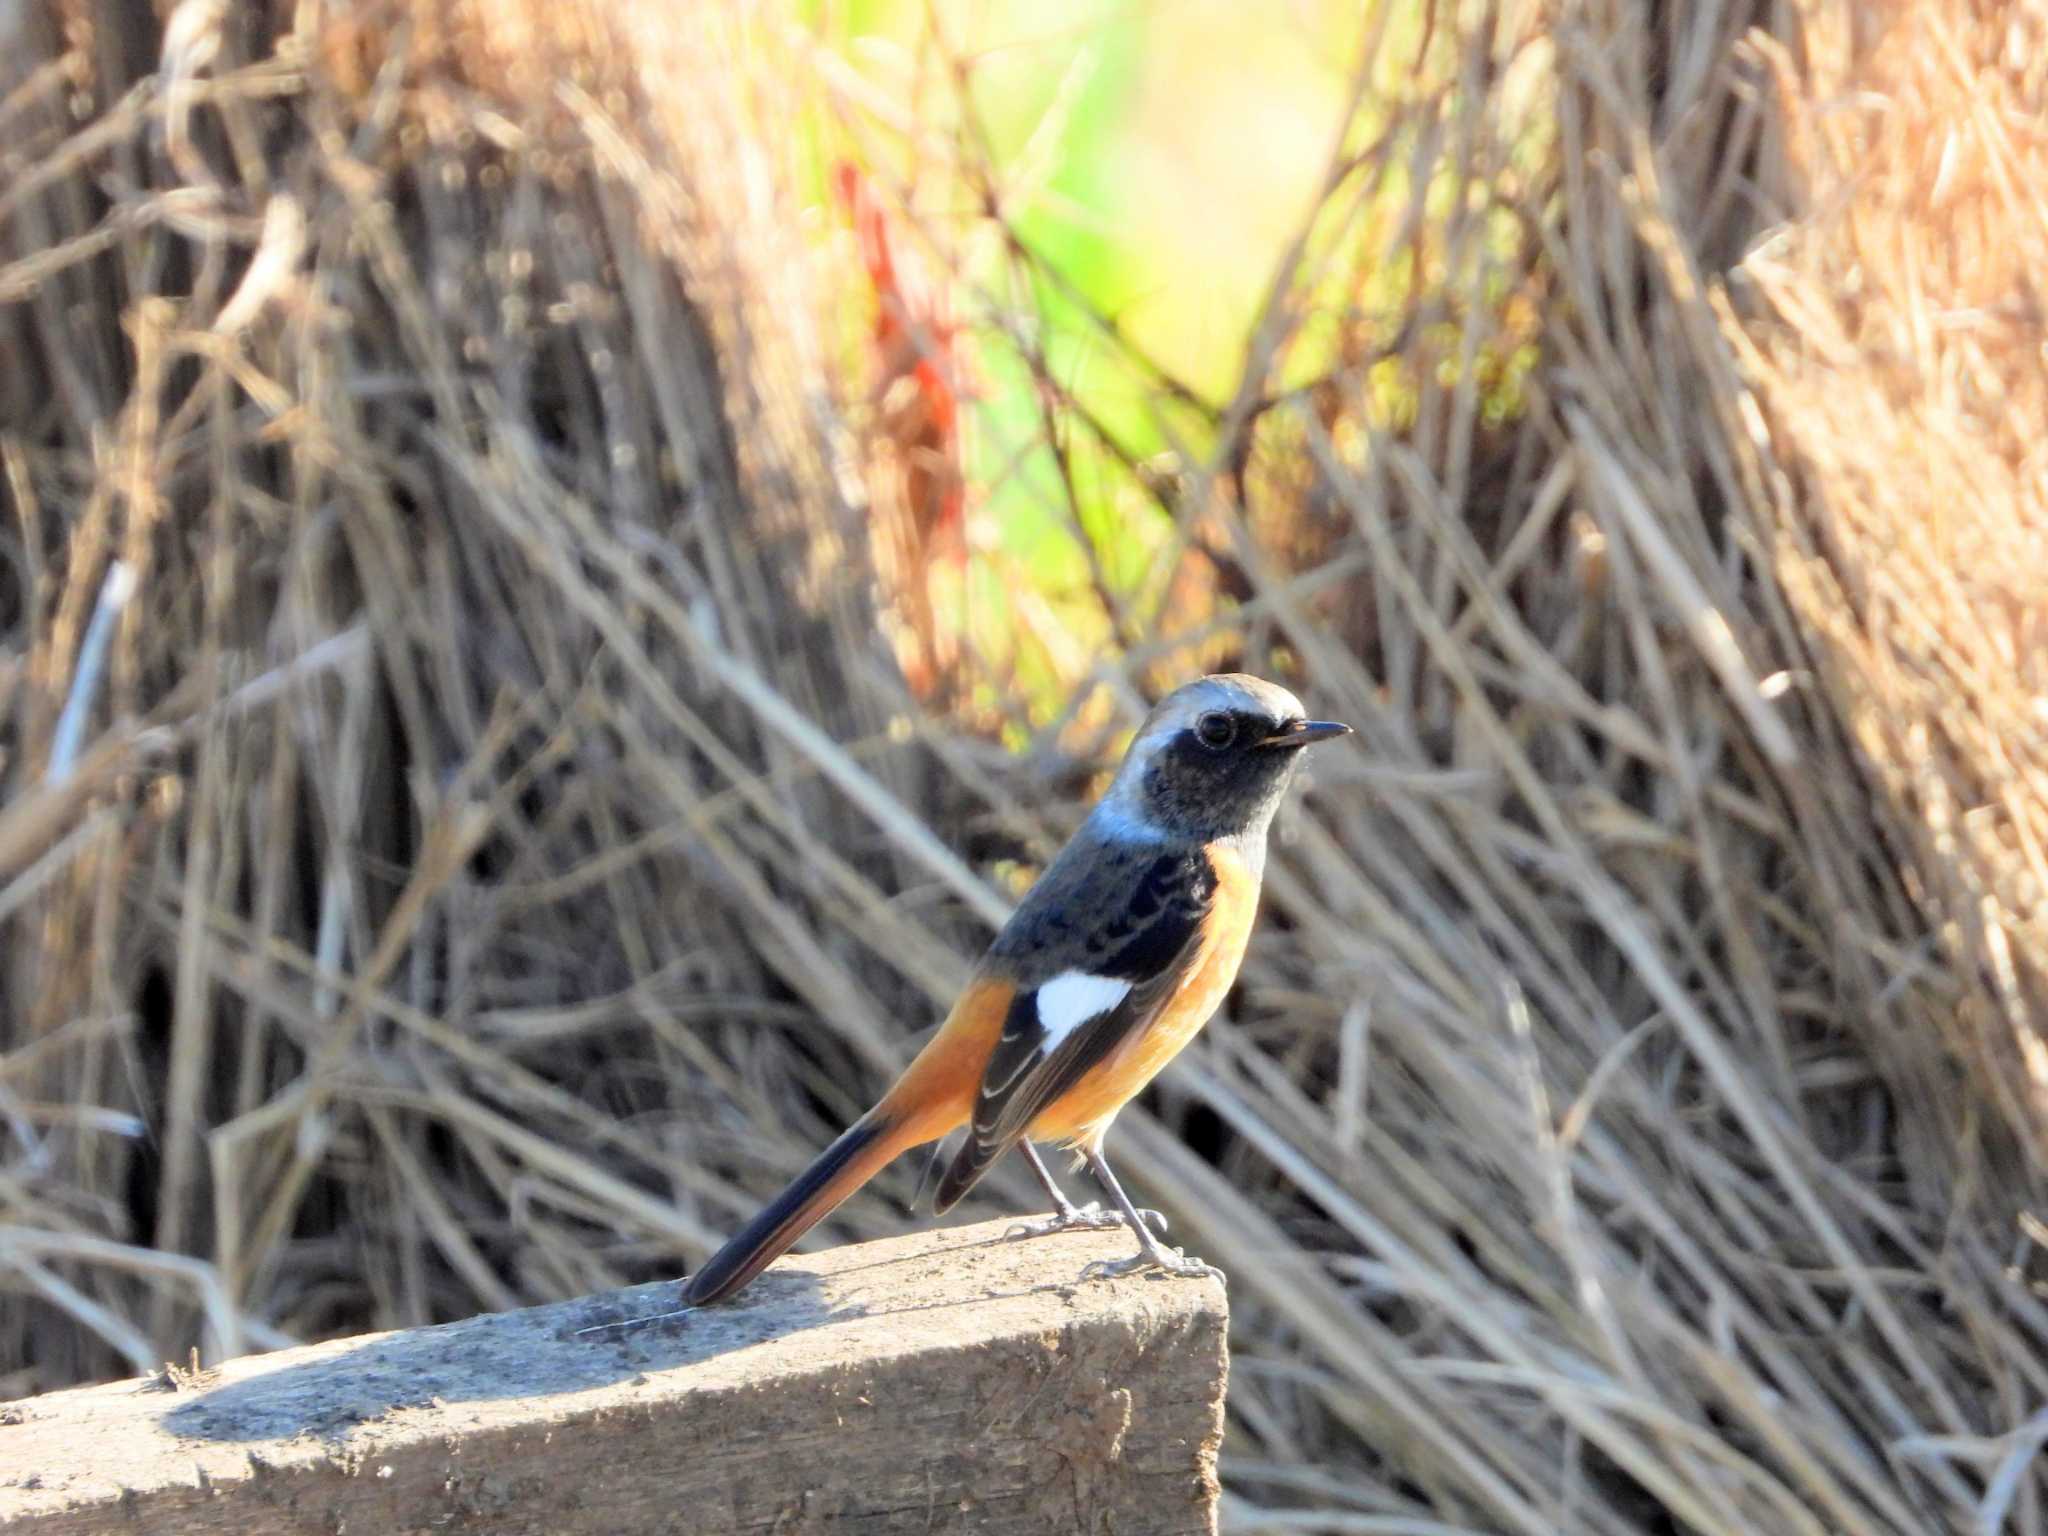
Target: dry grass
502 848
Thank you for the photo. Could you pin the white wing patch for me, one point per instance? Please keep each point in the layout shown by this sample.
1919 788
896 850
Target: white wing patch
1071 999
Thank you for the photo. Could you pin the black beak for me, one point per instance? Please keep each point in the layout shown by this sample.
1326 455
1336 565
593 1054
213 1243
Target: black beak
1299 733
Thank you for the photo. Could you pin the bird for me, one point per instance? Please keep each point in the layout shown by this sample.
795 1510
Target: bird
1114 960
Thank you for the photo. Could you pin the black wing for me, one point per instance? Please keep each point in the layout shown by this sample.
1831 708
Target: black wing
1130 957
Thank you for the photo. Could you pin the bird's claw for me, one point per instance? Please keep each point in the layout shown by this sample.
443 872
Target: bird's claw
1083 1218
1170 1260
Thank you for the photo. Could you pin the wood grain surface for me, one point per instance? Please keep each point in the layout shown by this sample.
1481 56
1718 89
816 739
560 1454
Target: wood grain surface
944 1381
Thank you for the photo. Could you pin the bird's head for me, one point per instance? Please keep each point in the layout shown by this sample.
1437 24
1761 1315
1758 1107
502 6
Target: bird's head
1212 760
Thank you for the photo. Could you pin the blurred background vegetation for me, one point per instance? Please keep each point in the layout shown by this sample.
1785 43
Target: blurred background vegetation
1101 251
559 570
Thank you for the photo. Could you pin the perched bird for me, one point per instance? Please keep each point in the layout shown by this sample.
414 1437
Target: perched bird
1113 961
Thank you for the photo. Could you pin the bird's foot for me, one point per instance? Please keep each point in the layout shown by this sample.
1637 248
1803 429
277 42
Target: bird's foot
1079 1218
1171 1260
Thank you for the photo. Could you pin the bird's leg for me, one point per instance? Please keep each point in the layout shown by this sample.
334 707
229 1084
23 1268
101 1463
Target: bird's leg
1151 1254
1066 1216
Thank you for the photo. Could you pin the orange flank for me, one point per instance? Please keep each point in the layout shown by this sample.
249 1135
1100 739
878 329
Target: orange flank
1082 1114
935 1094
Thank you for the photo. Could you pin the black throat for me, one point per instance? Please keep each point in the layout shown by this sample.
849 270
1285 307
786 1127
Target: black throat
1194 791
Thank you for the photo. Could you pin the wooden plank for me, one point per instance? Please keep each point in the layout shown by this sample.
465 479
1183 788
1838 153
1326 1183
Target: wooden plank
945 1381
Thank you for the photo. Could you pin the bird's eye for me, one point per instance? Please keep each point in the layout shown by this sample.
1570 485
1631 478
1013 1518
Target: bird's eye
1216 730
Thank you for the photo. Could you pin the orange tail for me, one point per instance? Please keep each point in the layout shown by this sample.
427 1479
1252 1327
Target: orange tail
868 1146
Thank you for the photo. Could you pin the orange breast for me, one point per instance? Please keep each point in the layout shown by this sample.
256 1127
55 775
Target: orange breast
1083 1113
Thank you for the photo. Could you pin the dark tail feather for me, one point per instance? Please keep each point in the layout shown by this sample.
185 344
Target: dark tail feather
931 1166
972 1160
841 1168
